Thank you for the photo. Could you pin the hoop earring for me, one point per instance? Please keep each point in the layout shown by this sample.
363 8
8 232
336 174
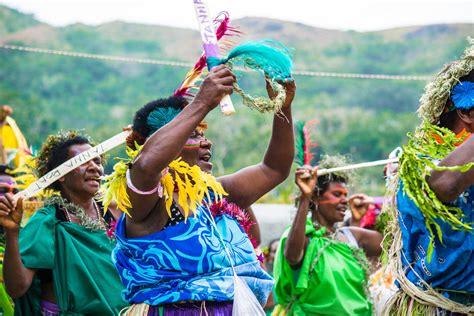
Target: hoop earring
316 225
312 206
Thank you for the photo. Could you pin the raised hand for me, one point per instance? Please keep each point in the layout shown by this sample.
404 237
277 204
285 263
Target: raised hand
215 86
360 202
290 89
11 212
306 184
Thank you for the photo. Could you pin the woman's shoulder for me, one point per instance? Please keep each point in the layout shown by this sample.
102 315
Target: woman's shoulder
46 212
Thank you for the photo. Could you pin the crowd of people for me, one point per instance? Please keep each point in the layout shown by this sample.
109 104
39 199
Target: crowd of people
163 236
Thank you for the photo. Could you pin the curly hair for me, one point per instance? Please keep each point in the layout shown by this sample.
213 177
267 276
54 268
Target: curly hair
152 116
55 151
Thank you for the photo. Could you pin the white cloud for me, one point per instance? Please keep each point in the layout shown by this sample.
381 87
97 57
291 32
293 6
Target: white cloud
361 15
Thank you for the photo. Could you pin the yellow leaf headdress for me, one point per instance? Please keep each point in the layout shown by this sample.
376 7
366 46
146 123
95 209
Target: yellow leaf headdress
191 182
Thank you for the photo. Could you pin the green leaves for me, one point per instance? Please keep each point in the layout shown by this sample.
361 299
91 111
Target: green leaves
430 143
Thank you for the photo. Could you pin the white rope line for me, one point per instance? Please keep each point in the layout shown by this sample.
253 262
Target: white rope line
360 76
189 65
97 56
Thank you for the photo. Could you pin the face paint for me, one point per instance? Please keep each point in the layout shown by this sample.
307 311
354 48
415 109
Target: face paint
331 201
193 143
195 140
332 197
197 151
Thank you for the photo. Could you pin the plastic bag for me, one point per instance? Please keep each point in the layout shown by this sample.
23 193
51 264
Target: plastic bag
245 302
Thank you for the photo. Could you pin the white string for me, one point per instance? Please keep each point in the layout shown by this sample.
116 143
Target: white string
190 65
96 56
211 219
360 76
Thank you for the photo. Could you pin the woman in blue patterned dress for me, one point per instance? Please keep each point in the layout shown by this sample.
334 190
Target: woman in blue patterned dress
179 265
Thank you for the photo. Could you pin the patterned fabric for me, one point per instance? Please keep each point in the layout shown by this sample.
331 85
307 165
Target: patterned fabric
187 262
381 288
193 309
176 216
452 264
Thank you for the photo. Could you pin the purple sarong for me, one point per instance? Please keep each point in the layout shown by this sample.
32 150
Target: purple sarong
193 309
49 309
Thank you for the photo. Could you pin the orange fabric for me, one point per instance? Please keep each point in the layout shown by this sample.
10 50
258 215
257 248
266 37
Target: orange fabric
462 135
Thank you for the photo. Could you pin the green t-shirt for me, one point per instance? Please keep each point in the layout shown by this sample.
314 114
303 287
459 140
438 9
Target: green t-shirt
85 280
337 283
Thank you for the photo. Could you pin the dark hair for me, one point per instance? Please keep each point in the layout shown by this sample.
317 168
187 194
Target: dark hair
468 77
141 130
322 186
55 151
326 180
271 242
60 152
4 170
448 119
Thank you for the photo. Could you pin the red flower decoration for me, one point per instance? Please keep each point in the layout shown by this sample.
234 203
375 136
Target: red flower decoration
111 231
233 210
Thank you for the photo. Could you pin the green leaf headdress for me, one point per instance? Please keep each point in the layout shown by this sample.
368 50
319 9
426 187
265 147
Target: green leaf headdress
432 143
433 101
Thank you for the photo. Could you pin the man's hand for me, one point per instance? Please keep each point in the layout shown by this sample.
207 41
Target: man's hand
215 86
11 212
306 184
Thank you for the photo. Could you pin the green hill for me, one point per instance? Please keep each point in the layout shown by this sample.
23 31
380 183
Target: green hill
363 118
13 20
